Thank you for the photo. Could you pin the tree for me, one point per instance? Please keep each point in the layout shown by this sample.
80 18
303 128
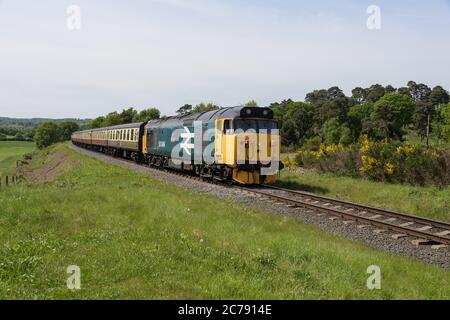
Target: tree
329 104
280 109
251 103
390 89
112 119
427 101
202 107
404 91
439 96
423 117
127 115
289 135
303 116
19 136
357 116
184 110
443 125
391 114
419 92
96 123
47 134
375 92
333 132
147 115
359 94
67 128
3 137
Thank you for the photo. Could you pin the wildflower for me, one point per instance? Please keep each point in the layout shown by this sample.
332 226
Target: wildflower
365 144
389 168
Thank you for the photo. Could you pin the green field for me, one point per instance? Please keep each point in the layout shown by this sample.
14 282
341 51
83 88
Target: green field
428 202
135 237
10 151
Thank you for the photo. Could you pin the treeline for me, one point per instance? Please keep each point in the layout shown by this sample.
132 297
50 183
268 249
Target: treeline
16 133
128 115
131 115
34 122
16 129
331 117
52 132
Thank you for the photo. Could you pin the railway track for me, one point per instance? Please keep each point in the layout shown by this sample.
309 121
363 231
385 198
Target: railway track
422 230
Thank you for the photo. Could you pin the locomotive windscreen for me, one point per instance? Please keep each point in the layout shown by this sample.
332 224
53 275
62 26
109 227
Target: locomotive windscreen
257 125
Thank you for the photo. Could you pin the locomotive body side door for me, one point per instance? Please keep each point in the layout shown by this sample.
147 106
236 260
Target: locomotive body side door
218 155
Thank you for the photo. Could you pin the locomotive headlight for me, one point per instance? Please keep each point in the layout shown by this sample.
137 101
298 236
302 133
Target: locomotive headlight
266 112
248 111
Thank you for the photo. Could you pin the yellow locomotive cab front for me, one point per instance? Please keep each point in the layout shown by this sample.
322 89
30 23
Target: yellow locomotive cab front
250 147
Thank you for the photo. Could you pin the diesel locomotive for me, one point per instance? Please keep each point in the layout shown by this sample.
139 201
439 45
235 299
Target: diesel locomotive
239 144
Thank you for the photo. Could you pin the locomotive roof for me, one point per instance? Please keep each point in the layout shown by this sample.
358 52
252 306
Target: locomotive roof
230 112
121 126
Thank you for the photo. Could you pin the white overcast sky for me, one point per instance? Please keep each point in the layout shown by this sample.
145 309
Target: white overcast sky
165 53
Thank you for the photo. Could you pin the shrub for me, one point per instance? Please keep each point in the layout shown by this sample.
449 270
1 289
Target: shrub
381 161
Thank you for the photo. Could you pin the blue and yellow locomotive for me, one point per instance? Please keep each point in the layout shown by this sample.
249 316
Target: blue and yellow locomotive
240 144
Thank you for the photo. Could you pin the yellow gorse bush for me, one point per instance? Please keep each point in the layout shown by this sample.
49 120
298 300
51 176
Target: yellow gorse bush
405 150
368 164
365 144
389 169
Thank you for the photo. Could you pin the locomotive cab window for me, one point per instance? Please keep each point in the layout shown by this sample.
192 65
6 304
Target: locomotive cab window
267 126
245 124
228 127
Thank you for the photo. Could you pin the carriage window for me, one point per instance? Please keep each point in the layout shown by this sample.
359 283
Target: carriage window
219 125
228 127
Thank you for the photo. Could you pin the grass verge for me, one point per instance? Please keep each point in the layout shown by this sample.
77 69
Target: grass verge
10 151
135 237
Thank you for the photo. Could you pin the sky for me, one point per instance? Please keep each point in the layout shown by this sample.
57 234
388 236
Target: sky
166 53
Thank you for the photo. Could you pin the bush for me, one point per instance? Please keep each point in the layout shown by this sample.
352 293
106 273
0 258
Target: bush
381 161
47 134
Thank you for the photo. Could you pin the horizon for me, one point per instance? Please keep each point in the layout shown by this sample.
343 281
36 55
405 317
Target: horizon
167 53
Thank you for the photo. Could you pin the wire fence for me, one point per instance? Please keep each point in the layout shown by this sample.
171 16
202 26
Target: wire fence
9 180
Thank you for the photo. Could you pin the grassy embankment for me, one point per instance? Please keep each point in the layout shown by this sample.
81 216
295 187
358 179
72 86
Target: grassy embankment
135 237
10 151
430 202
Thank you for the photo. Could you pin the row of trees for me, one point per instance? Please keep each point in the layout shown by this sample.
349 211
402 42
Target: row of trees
203 107
52 132
128 115
329 116
16 133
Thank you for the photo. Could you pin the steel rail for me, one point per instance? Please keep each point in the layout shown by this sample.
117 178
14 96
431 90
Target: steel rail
382 224
393 214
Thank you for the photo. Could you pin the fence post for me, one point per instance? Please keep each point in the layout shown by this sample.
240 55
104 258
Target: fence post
6 181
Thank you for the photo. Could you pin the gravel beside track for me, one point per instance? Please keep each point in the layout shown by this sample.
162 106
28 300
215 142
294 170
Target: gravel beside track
351 231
